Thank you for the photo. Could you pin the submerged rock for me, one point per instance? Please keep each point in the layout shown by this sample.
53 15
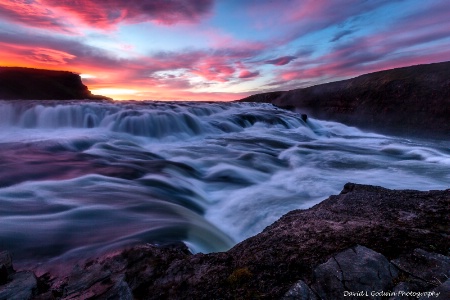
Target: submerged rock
347 243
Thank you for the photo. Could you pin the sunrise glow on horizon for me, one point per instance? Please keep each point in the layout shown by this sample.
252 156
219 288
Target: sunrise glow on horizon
219 50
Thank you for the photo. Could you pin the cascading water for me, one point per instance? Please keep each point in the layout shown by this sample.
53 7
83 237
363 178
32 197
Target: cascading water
77 177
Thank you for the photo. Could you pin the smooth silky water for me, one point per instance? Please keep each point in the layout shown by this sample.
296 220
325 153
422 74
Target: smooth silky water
82 177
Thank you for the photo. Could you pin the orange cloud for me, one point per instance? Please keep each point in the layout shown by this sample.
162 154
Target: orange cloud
51 57
16 55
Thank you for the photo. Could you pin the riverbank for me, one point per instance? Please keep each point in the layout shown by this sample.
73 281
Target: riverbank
367 239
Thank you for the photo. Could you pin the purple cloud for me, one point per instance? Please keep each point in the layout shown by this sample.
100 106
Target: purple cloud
281 61
246 74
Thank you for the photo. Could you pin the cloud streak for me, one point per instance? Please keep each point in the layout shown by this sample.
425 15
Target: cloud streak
281 61
339 35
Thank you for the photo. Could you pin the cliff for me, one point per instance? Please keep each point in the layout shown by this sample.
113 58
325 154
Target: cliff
35 84
405 101
365 240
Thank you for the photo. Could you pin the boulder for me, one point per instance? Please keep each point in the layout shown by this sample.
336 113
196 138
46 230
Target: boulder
22 286
440 292
432 268
300 291
357 270
6 267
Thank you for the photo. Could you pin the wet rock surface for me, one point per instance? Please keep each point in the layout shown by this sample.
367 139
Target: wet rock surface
356 242
443 290
21 286
404 101
6 267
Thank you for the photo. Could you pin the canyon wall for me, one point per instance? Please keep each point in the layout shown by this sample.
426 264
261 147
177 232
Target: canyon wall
410 101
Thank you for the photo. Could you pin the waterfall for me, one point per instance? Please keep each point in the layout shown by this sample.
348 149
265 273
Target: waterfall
78 177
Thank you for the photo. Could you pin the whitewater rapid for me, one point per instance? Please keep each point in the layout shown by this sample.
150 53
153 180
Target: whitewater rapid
78 177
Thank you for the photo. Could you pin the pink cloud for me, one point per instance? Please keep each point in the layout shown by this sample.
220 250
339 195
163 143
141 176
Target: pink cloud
33 14
105 13
214 69
62 14
245 74
290 75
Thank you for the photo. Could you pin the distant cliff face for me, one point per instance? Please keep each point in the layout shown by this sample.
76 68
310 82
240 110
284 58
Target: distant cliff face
35 84
406 101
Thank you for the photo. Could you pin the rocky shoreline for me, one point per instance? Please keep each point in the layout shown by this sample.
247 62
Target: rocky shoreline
366 242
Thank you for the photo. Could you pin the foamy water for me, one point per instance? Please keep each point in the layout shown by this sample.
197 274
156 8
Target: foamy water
80 177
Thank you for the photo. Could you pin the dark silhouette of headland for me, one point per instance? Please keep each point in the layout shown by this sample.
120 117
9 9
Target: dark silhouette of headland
35 84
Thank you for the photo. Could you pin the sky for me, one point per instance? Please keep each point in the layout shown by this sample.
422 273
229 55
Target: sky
219 50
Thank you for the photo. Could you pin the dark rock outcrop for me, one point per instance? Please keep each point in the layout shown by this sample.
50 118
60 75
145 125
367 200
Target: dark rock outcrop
300 291
5 266
367 239
343 273
36 84
431 268
443 290
22 286
405 101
